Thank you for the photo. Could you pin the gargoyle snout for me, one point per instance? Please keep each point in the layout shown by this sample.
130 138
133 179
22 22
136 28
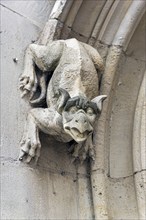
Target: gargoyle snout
80 119
81 123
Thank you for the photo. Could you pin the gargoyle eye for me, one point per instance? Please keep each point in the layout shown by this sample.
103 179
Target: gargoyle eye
90 111
73 109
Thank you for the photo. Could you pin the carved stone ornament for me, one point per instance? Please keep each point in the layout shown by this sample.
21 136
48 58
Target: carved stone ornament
61 81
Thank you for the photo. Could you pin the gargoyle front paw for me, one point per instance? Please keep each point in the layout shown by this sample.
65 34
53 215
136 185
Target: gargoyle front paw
30 149
27 84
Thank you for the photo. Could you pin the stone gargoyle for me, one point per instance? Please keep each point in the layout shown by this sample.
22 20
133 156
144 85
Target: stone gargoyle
61 81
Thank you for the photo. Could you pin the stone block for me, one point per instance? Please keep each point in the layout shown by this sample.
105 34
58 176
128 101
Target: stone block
31 193
121 198
35 11
123 109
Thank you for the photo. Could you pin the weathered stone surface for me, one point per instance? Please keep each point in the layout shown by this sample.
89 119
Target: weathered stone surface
122 117
13 46
100 206
52 153
37 193
85 203
84 23
140 189
113 20
34 11
138 40
121 198
129 23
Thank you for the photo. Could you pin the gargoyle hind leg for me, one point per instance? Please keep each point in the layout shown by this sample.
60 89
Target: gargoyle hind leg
38 119
84 149
28 79
45 58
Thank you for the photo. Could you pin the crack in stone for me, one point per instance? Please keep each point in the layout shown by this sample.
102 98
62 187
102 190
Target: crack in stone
32 21
62 172
102 171
124 177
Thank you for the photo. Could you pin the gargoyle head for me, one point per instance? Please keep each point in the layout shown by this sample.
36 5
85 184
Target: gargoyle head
79 114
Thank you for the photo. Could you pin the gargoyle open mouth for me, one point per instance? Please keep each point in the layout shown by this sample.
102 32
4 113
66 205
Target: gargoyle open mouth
76 134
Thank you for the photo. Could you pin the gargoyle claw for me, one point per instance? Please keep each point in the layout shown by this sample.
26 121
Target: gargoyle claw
28 159
30 144
27 84
23 81
24 93
21 155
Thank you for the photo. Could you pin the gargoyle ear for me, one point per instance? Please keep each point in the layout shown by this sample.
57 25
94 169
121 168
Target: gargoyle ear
64 97
98 100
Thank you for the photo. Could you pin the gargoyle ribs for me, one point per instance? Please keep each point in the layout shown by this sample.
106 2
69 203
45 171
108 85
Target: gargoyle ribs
61 81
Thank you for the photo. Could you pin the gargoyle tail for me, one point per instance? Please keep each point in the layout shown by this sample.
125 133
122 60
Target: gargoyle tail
41 100
96 58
